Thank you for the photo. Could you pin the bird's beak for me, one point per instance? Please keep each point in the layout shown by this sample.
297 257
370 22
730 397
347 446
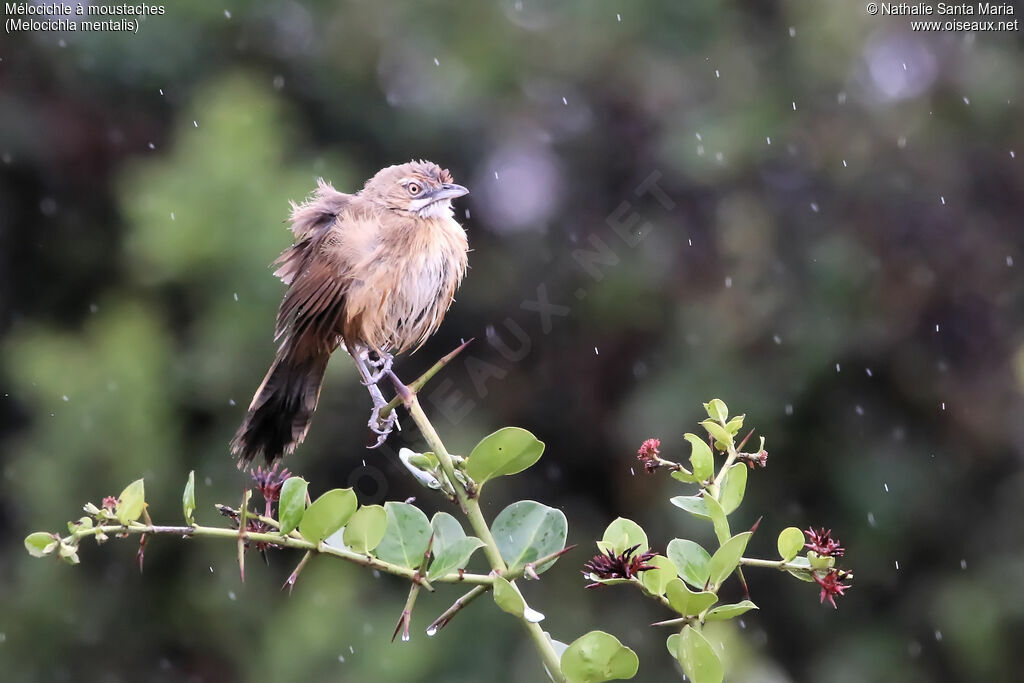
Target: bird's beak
448 191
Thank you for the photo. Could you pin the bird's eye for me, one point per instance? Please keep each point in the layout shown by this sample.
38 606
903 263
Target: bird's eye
414 188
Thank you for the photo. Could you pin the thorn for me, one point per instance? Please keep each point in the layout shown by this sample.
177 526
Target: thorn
294 576
142 550
745 439
756 524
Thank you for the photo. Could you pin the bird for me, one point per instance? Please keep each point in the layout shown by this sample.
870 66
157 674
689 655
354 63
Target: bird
373 273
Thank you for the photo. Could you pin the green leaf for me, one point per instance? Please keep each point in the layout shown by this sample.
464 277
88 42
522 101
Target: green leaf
596 657
672 643
684 476
695 505
131 502
723 612
791 542
41 543
722 437
366 528
655 580
699 661
717 410
452 548
727 558
802 575
506 451
702 462
188 499
687 602
733 488
717 515
527 531
622 534
292 505
509 600
80 524
692 561
407 535
327 514
820 561
734 425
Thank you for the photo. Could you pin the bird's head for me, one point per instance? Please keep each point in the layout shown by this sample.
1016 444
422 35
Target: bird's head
419 188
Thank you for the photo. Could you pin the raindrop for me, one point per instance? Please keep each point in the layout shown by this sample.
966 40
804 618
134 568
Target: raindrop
467 214
436 62
62 43
777 339
565 101
886 487
595 351
278 82
719 157
859 410
231 401
209 482
868 370
938 635
943 405
341 658
619 17
151 146
161 92
495 175
1009 262
841 97
232 596
794 105
904 66
351 650
405 637
837 367
844 163
432 630
172 215
814 207
967 102
789 409
195 123
1013 155
963 564
792 31
769 139
689 241
227 14
897 565
728 282
64 398
236 296
631 472
901 142
93 308
211 569
936 327
700 150
871 519
943 200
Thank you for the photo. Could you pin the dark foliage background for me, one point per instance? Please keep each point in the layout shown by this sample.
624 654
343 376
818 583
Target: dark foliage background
842 262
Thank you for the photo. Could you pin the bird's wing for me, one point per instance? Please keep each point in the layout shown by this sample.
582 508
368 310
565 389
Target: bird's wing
310 220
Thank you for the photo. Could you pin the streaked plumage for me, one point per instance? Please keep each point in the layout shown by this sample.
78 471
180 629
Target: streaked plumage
372 271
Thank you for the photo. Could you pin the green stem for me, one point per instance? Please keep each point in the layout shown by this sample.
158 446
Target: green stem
471 507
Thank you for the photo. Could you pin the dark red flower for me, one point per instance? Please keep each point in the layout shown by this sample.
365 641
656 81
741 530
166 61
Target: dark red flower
648 454
608 565
822 543
831 585
269 482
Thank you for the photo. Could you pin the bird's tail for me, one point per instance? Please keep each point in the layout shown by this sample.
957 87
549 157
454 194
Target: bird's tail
282 409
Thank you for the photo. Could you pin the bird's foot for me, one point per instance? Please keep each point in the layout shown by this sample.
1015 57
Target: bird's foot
381 366
382 427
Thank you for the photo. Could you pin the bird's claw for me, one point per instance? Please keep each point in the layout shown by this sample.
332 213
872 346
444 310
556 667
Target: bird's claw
382 427
381 365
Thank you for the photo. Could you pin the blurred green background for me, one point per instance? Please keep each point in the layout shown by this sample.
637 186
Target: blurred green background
841 261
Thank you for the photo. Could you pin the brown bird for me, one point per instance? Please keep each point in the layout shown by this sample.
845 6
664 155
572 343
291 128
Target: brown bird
373 272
